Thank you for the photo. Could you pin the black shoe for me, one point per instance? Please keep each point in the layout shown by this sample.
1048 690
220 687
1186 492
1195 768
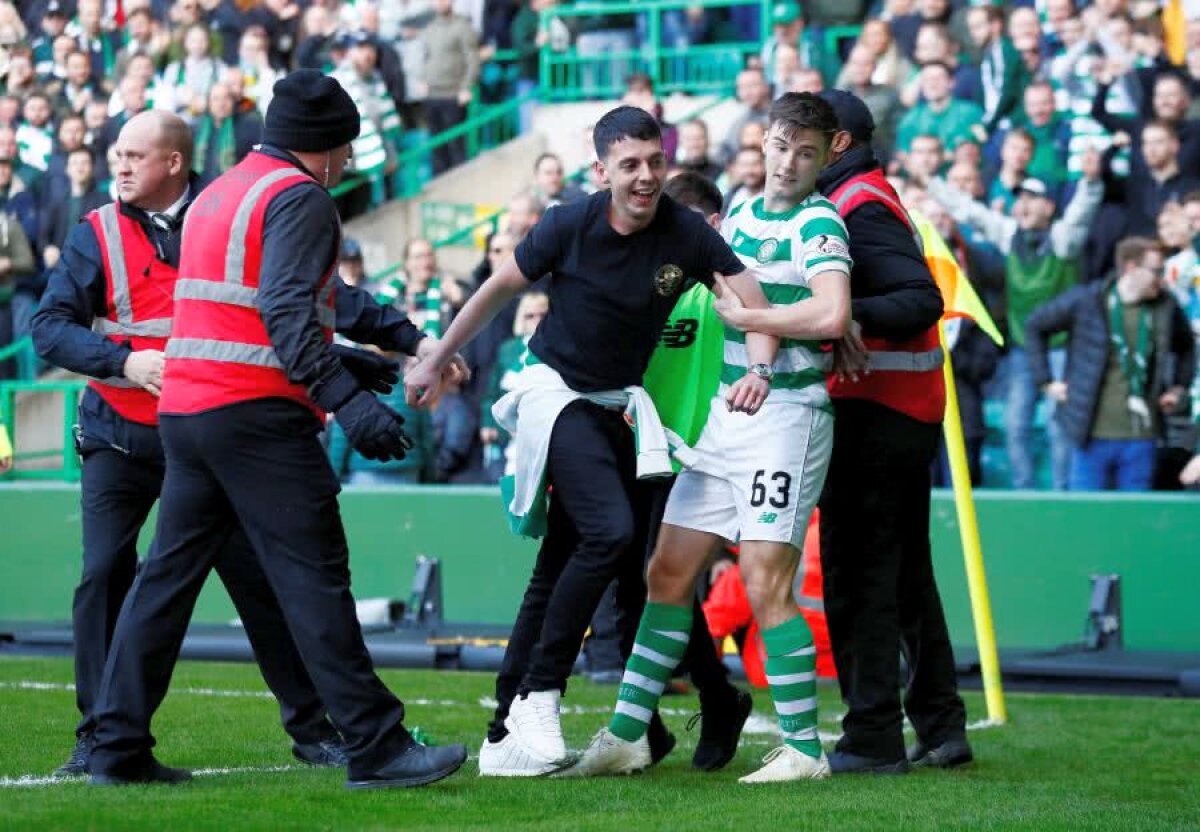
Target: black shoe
152 772
844 762
416 765
77 764
950 753
720 730
323 754
662 741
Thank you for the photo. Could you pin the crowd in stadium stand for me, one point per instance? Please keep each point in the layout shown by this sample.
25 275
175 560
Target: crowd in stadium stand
1055 146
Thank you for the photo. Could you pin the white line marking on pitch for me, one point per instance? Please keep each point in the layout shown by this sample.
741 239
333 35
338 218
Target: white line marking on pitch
31 780
212 692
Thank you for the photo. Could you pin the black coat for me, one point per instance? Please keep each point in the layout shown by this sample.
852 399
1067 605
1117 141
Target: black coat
1083 313
57 221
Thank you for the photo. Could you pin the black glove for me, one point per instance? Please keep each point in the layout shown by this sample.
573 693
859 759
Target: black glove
372 371
373 428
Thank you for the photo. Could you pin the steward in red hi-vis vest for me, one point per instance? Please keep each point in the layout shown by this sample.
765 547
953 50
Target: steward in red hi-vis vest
904 375
219 353
138 297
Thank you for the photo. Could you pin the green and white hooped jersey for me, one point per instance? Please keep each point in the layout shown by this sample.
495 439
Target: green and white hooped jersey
786 250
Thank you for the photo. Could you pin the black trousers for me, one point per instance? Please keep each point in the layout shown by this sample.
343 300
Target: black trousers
614 628
602 521
118 489
880 593
440 115
259 466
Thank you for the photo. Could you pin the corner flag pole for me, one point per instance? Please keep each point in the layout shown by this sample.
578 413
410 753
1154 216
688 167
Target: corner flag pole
968 527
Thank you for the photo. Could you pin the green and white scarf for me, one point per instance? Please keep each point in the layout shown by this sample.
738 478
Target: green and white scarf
1134 360
226 145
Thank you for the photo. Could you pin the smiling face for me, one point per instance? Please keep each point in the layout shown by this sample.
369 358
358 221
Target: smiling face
635 170
793 159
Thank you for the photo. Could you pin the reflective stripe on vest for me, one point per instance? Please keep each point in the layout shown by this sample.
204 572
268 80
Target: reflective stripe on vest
256 355
906 362
119 278
247 296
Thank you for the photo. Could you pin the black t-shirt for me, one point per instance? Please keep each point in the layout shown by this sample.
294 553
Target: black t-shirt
610 294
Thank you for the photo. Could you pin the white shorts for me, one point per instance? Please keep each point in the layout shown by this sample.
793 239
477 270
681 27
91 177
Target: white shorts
756 477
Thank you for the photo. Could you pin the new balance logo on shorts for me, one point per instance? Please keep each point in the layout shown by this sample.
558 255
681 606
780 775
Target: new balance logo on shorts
768 517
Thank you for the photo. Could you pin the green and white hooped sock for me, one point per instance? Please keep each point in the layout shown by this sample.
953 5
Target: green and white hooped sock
792 677
662 639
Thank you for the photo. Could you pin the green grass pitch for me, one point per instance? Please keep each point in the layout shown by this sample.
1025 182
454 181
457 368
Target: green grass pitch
1061 763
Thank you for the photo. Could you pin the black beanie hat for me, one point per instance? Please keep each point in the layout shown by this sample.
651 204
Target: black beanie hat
310 112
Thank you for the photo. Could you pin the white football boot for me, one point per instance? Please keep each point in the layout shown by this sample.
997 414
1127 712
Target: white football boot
608 755
786 763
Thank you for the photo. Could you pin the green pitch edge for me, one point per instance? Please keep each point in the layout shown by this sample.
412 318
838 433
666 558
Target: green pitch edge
1040 550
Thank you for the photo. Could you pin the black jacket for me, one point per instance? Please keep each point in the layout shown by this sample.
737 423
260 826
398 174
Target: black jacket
58 219
1083 313
892 290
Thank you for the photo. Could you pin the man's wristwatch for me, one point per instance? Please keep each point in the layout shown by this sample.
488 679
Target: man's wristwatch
764 371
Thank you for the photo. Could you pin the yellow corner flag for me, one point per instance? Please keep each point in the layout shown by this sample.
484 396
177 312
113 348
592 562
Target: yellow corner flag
957 292
961 301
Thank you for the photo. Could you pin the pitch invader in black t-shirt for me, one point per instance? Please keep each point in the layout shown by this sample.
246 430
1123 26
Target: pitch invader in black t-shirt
617 262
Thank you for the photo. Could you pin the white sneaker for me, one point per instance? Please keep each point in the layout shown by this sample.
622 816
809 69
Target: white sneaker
508 758
608 754
535 723
786 763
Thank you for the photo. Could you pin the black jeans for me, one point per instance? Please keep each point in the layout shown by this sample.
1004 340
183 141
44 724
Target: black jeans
614 628
596 532
440 115
118 489
880 593
259 466
593 471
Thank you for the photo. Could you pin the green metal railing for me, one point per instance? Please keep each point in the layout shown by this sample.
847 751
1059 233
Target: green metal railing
567 75
21 351
68 469
485 127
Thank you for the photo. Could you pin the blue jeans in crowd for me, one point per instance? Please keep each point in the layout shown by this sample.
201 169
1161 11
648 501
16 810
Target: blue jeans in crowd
1113 465
528 108
599 76
1021 405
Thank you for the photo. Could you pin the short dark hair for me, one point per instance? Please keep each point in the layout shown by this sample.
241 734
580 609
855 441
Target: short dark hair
87 151
1133 249
940 64
1191 196
794 111
1021 133
537 163
1170 128
621 123
694 190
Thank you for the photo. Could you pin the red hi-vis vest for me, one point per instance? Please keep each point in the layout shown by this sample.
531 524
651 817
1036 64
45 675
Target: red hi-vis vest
219 353
904 375
138 296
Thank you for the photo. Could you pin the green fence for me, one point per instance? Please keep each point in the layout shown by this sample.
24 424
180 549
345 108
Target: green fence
574 74
58 462
1039 549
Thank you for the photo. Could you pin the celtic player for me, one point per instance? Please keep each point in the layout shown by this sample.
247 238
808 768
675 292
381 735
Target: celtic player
757 477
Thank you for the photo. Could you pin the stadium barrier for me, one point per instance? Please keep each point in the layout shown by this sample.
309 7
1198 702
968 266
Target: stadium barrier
1040 551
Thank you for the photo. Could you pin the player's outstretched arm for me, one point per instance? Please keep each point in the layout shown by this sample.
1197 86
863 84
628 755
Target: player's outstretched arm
421 381
824 315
